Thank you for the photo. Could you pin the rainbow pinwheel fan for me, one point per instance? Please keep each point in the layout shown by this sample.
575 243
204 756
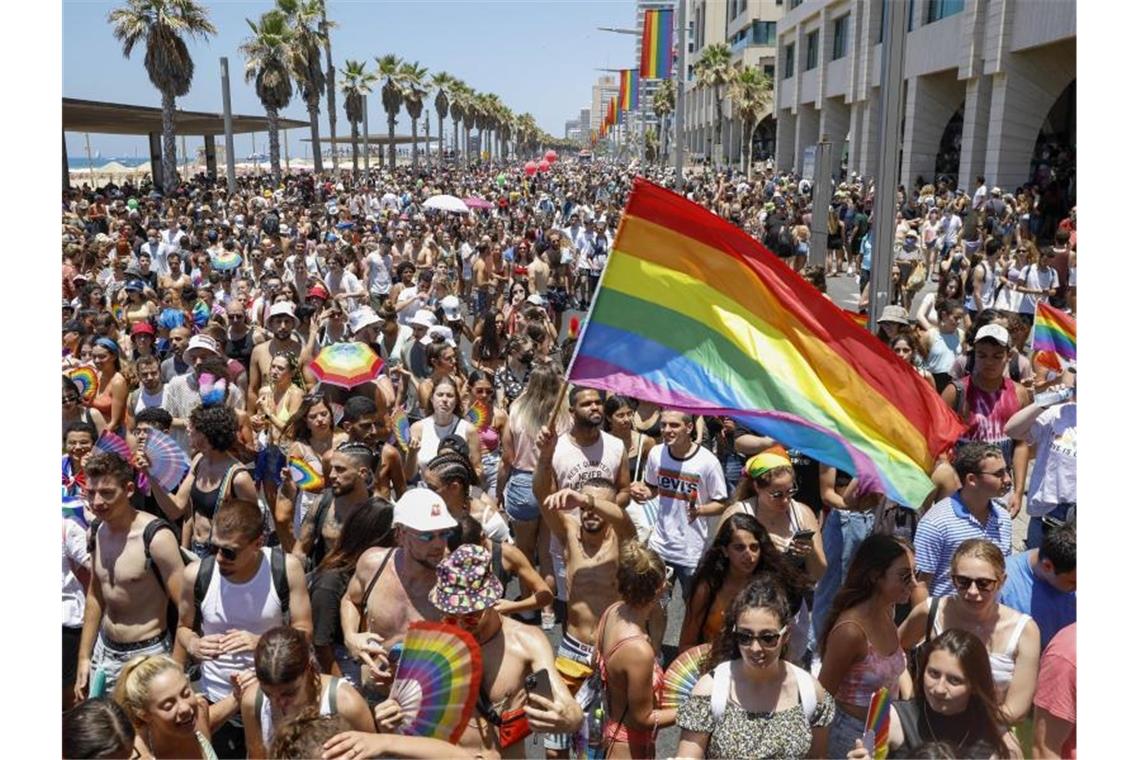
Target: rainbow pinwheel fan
479 414
307 477
401 428
437 681
85 381
113 444
168 462
682 676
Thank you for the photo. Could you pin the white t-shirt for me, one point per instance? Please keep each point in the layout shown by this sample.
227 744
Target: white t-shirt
75 550
379 273
346 283
674 537
1036 278
1054 477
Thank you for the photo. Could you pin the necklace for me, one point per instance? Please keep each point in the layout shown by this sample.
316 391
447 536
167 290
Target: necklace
933 737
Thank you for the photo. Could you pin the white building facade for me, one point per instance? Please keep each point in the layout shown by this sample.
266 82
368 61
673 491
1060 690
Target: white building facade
985 81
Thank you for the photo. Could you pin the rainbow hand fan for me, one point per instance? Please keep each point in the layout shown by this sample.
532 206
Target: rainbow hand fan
86 381
479 414
876 731
401 428
305 476
113 444
168 462
683 674
437 681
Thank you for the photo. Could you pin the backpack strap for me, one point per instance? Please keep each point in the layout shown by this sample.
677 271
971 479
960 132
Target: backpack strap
280 577
931 615
201 586
806 685
149 532
721 682
960 402
370 586
333 684
258 702
319 521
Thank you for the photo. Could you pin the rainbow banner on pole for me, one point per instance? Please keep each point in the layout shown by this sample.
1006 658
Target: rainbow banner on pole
695 314
627 92
657 45
1054 330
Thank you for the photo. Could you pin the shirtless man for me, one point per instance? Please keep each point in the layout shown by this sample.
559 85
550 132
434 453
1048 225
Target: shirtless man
537 271
350 484
365 424
465 594
390 586
591 546
127 600
281 323
484 271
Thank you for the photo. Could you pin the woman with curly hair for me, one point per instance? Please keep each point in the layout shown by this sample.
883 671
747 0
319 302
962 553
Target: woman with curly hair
740 551
753 702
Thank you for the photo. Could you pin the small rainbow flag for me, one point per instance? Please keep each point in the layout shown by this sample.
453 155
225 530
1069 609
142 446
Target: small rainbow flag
695 314
878 725
657 44
479 414
627 93
1054 330
305 475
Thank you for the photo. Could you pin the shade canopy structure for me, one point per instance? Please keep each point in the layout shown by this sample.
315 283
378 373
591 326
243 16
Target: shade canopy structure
124 119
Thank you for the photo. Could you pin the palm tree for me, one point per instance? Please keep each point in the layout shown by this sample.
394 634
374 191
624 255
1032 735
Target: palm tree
413 81
442 82
527 133
305 21
494 122
267 56
458 109
664 101
470 113
330 82
163 24
714 69
751 95
356 83
392 96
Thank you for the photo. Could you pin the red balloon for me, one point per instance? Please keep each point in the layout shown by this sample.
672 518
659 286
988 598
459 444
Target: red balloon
530 167
544 165
551 156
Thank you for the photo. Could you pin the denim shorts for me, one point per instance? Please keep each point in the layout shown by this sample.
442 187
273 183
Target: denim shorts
490 463
845 729
110 656
571 649
519 496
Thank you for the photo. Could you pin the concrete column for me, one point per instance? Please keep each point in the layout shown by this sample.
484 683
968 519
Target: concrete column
1023 95
834 121
869 146
931 101
155 140
858 124
211 157
807 132
785 139
975 129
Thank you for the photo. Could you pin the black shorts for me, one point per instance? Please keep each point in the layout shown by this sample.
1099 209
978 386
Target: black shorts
558 299
70 654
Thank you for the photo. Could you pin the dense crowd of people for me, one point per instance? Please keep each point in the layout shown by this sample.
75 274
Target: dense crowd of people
239 613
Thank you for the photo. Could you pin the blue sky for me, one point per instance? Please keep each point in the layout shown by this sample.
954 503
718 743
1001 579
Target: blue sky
537 55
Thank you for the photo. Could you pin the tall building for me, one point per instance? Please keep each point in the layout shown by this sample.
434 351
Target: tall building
989 87
585 123
570 127
605 88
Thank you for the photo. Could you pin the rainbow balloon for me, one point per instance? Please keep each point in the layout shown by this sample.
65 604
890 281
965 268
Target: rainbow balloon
682 676
437 680
479 414
305 476
879 723
86 381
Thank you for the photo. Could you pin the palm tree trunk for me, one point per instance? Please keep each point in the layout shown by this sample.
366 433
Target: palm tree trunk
427 140
355 150
719 121
330 79
455 137
415 144
274 144
440 156
391 141
748 167
169 151
315 133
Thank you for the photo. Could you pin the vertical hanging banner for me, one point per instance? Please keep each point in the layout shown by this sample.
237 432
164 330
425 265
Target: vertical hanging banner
657 45
627 92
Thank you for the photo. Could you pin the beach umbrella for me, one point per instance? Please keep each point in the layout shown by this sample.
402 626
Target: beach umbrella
347 364
473 202
544 165
226 260
530 167
446 203
551 156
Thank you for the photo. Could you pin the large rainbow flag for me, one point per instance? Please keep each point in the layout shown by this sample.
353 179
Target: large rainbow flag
657 45
627 91
1054 330
694 314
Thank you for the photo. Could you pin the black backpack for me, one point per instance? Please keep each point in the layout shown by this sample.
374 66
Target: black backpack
276 570
778 239
149 532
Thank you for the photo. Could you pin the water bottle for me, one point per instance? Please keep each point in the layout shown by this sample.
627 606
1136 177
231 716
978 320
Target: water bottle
1056 395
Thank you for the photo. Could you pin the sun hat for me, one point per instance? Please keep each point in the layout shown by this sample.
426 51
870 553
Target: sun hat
465 582
423 318
894 313
422 509
361 318
439 333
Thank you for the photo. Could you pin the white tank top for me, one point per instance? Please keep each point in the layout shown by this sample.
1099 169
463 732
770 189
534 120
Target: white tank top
147 401
251 606
431 434
574 465
326 705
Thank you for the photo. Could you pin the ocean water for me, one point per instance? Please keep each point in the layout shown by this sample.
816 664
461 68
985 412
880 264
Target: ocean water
78 163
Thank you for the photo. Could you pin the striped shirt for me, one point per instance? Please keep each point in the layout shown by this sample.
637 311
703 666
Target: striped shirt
943 529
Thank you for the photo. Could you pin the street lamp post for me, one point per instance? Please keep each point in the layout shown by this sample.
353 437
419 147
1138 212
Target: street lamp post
679 104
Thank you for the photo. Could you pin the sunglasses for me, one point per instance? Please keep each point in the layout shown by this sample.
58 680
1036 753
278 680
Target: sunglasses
228 554
766 639
470 620
963 583
431 535
781 494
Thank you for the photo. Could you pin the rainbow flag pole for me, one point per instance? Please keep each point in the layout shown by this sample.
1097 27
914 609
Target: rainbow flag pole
694 314
1054 330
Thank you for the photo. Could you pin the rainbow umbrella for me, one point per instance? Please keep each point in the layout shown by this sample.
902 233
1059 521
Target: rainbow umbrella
226 260
347 364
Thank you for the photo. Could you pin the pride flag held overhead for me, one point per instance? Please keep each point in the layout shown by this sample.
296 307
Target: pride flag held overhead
657 44
627 93
1054 330
694 314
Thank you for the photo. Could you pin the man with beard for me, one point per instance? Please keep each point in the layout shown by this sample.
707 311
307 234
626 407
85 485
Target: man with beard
151 391
389 588
281 323
365 424
182 393
240 336
175 364
572 459
351 469
591 544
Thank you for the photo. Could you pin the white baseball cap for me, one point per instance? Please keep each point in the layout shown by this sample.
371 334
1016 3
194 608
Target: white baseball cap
284 307
202 343
995 333
423 318
423 509
439 332
450 306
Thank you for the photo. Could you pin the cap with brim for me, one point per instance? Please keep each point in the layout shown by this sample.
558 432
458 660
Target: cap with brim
439 333
202 343
423 318
73 325
450 306
465 582
422 509
142 328
135 286
283 308
318 292
767 460
362 318
896 314
996 333
536 299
